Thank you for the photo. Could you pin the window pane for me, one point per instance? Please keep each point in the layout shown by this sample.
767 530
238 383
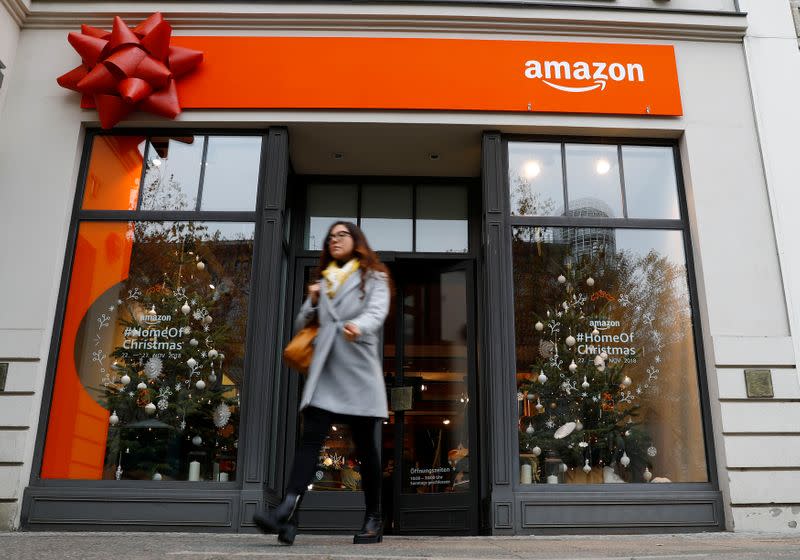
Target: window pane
173 173
386 217
231 177
650 185
535 178
326 205
593 181
617 308
152 353
442 219
115 168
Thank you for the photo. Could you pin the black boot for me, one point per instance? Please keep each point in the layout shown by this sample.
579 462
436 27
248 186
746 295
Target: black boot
372 531
281 520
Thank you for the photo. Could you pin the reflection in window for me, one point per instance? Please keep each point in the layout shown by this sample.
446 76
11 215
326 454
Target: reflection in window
328 204
651 188
152 353
172 178
442 219
386 217
230 181
536 179
606 371
593 181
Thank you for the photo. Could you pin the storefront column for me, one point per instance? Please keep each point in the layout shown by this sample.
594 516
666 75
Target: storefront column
260 481
498 338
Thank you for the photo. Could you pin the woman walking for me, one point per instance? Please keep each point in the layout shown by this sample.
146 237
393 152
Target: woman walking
345 381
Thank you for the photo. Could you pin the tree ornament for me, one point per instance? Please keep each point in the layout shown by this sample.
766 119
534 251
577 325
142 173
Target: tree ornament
529 430
624 460
197 440
207 319
573 367
542 378
157 476
185 309
601 368
150 408
647 475
585 383
222 414
213 353
191 362
200 384
125 379
201 265
142 386
153 367
536 451
590 281
570 341
652 451
562 279
221 356
113 419
626 381
539 326
598 360
193 342
212 377
531 396
578 428
539 406
586 467
564 430
563 467
604 355
595 332
553 405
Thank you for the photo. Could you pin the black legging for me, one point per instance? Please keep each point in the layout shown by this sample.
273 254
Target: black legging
367 437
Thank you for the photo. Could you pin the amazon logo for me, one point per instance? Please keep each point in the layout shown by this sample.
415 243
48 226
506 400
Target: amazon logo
596 75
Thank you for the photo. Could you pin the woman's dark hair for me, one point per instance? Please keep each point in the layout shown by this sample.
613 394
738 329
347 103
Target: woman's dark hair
367 258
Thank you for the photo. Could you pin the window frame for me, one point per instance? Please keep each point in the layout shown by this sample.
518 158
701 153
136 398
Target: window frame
681 224
78 216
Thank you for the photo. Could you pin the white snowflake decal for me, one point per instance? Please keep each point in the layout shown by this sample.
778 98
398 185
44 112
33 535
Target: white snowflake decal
550 423
624 301
657 359
162 404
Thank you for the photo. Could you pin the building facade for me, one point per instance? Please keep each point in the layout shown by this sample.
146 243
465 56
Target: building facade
584 337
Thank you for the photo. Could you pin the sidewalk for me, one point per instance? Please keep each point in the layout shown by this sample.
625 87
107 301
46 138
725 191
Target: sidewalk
215 546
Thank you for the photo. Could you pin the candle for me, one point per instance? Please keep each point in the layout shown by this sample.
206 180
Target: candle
223 477
194 471
552 479
526 474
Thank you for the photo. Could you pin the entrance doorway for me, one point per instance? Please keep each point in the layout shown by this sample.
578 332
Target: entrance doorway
430 447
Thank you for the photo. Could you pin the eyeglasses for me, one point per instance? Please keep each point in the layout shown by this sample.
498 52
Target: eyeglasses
338 236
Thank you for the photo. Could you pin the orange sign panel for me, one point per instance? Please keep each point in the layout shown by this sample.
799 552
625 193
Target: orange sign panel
431 74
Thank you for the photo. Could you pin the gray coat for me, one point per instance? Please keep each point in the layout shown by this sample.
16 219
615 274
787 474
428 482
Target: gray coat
347 377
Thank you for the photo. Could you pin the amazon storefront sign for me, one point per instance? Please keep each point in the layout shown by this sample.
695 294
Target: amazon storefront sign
431 74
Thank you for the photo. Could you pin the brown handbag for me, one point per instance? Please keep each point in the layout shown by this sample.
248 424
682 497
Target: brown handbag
299 351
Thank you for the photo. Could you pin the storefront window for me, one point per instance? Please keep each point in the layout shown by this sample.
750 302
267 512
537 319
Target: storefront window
442 219
152 348
606 371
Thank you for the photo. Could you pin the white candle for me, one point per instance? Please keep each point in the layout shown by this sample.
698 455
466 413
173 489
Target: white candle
194 471
526 474
223 477
552 479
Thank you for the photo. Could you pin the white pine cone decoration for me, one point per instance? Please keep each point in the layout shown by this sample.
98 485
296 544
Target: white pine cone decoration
221 415
153 367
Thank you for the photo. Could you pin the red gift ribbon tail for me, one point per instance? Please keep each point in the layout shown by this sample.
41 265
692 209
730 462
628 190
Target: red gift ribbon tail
111 109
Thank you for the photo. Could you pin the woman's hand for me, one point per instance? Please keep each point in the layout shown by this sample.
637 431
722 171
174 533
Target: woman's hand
313 292
351 331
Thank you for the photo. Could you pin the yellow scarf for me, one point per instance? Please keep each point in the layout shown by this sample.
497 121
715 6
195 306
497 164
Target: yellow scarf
336 276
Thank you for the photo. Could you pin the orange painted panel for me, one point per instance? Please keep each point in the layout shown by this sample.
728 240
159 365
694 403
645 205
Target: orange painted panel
77 423
431 74
115 167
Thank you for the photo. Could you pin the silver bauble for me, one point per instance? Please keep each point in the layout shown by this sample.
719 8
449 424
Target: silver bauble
150 408
185 309
200 384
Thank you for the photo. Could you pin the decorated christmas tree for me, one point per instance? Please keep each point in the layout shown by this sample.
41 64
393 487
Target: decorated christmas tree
172 409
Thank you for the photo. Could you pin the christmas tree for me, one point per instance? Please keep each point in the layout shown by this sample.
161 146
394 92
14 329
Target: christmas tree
578 407
170 403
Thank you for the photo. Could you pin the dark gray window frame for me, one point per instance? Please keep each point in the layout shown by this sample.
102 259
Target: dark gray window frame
156 504
518 508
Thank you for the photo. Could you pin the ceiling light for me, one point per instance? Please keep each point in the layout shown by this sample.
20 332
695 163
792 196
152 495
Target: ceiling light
531 169
603 166
337 155
446 421
434 157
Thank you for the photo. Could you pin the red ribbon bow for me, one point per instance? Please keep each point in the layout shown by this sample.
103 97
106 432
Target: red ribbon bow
129 69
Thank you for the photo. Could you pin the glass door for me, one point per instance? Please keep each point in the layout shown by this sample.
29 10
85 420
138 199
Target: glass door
429 442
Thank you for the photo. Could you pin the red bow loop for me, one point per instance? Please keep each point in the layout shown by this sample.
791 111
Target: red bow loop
129 69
